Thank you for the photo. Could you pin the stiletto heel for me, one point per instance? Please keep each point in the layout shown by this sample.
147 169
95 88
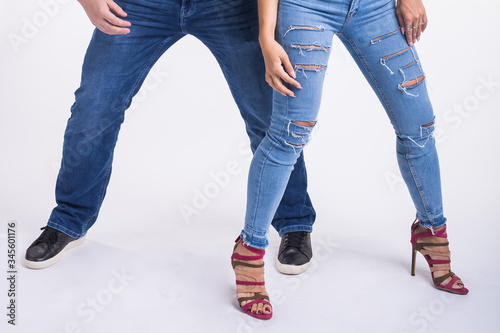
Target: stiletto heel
254 281
413 259
437 260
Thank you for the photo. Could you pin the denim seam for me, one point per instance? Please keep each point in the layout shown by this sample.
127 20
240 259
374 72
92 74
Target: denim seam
417 182
103 188
413 170
184 14
353 10
260 172
358 52
410 165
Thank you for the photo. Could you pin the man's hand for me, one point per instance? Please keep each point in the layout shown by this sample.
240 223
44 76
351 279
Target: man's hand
412 19
100 13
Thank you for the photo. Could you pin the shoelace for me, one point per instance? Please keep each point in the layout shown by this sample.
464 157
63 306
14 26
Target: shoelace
295 239
47 236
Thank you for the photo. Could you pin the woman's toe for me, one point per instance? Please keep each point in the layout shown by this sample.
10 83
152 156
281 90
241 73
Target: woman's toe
458 284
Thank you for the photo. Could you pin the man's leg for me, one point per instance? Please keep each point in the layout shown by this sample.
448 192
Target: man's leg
113 71
230 30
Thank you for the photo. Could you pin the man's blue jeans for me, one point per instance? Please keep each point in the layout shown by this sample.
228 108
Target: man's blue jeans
370 31
113 71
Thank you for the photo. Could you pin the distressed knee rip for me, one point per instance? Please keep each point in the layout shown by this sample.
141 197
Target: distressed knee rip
426 133
299 134
305 123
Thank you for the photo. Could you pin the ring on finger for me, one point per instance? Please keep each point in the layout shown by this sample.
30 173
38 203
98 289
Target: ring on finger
409 27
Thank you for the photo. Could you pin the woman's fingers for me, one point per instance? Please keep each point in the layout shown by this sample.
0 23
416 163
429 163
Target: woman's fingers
279 76
414 31
278 86
401 20
287 65
279 69
424 22
412 19
419 30
288 74
275 80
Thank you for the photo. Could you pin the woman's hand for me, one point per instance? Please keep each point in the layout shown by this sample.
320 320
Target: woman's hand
278 67
100 13
412 19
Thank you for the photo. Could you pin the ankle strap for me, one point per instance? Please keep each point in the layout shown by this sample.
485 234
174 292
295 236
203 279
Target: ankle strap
441 233
238 256
254 250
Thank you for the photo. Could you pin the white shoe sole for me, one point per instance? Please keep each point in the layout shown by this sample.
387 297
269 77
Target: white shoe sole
54 259
292 269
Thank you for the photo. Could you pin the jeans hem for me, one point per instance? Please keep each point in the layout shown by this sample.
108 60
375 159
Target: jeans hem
436 222
250 239
64 230
307 228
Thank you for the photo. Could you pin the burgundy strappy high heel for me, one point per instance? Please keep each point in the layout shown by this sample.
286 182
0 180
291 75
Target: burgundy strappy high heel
254 281
437 260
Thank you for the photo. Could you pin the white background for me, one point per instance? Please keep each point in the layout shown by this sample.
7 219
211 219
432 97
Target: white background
184 125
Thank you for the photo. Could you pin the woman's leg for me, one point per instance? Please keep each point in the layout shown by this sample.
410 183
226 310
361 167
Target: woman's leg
240 58
306 35
395 73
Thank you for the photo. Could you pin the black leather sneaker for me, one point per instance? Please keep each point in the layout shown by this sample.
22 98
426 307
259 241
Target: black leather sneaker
47 249
295 253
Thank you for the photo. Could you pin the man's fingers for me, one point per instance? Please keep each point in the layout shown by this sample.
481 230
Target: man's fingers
116 9
111 29
116 21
